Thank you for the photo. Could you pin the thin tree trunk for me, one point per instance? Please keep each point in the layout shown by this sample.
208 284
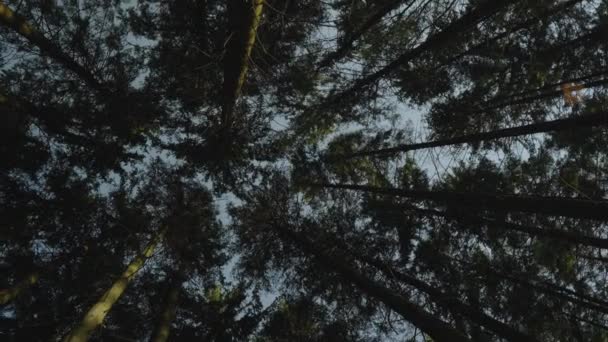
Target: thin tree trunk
168 315
8 295
439 330
554 206
483 11
19 24
97 313
572 123
240 45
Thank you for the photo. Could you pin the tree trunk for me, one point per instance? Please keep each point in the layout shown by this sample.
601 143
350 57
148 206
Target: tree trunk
554 206
97 313
572 123
244 17
19 24
439 330
8 295
168 315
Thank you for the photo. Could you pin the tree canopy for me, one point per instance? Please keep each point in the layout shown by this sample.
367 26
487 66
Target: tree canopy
268 171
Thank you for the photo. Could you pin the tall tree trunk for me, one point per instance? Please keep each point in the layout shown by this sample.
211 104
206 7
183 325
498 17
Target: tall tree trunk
97 313
19 24
555 206
8 295
572 123
168 315
483 11
439 330
244 17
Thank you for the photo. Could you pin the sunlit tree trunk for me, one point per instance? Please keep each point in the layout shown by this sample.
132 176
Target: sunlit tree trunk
19 24
572 123
97 313
555 206
168 315
244 17
439 330
8 295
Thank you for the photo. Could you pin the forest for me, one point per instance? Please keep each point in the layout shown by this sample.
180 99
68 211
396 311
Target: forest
304 170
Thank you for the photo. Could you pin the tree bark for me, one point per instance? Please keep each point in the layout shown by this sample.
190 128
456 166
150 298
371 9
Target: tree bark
439 330
554 206
97 313
168 315
8 295
240 44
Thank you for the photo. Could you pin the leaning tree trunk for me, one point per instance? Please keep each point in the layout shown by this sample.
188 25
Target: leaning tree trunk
439 330
168 315
244 17
97 313
8 295
555 206
572 123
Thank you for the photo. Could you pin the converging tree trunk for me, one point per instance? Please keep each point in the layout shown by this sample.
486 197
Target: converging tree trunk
166 318
8 295
97 313
572 123
244 18
555 206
